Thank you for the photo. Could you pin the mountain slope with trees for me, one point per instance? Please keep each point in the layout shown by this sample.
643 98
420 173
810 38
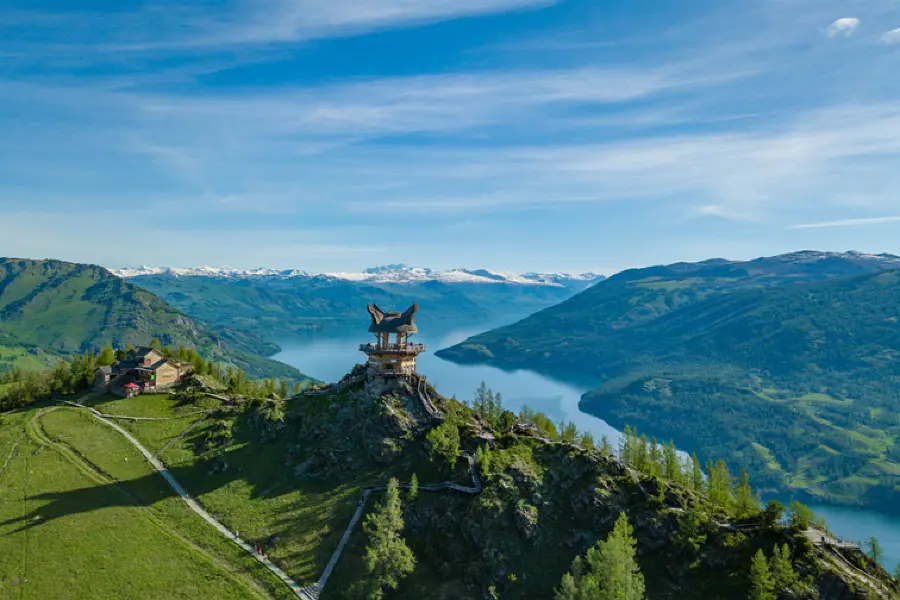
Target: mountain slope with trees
795 377
273 306
61 308
551 514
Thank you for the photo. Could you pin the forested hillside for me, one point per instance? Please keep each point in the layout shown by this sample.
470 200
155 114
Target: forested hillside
274 306
797 380
58 308
479 503
578 334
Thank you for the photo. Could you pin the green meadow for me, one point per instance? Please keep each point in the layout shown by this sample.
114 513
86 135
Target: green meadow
82 515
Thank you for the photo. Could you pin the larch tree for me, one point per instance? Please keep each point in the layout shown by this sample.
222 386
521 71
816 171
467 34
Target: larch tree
762 587
782 569
608 572
875 552
106 357
443 443
413 492
744 501
605 447
643 454
720 485
587 441
654 459
671 465
387 558
697 482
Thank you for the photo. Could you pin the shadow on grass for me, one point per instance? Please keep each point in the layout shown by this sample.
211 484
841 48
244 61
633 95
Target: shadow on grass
306 530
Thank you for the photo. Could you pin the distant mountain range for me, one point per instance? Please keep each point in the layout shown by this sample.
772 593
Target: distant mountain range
276 303
51 309
398 273
788 364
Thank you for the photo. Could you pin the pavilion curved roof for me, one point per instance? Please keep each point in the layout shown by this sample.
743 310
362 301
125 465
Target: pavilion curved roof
393 322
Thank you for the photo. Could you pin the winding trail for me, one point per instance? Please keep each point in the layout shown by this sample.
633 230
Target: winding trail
313 591
11 453
179 437
299 591
475 488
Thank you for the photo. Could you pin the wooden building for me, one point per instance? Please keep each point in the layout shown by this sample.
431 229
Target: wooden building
144 370
392 353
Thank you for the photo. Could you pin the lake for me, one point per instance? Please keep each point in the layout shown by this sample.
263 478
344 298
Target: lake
329 359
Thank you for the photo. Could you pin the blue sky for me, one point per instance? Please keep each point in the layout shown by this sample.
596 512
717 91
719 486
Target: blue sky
505 134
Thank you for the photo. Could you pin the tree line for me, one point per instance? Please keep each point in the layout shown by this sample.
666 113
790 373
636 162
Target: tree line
77 375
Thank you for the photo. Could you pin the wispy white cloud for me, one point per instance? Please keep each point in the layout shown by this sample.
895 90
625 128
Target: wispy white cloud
848 223
192 24
891 37
843 27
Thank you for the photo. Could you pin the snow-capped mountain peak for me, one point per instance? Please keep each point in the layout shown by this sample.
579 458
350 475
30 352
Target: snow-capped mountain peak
396 273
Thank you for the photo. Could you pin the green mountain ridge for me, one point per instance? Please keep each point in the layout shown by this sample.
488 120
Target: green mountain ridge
62 308
792 374
274 307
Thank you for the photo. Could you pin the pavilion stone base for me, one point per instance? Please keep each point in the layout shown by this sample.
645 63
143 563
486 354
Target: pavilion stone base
391 366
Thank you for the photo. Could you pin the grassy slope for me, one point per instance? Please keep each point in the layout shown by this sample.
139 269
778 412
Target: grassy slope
461 542
13 353
273 307
66 307
98 524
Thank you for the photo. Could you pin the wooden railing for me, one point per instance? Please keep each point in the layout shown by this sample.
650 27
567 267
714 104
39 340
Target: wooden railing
393 348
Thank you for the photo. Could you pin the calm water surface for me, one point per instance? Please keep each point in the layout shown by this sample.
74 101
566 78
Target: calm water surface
329 359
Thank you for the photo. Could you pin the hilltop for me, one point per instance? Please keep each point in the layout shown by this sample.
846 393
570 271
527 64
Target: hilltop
503 511
56 308
272 303
787 365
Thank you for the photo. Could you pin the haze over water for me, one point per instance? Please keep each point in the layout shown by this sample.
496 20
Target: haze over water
330 358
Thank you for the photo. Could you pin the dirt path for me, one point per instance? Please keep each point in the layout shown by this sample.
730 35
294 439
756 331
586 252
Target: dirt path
299 591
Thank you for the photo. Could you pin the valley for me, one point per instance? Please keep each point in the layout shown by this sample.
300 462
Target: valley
274 304
788 362
327 359
241 461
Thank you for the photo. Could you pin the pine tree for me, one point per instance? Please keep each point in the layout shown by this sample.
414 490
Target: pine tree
744 502
568 432
654 459
643 454
443 443
156 344
587 441
897 572
609 572
605 446
568 589
107 357
761 585
413 492
782 569
720 485
696 473
620 577
387 558
624 447
671 465
801 515
875 552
